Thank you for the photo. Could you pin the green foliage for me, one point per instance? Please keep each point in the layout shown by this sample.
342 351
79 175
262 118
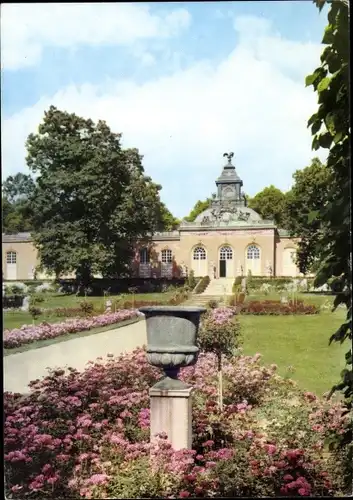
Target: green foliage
17 211
331 130
212 304
303 202
199 207
202 285
191 280
36 298
92 199
269 203
35 312
87 308
167 220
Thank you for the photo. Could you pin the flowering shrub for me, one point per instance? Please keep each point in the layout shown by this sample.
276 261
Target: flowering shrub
16 288
87 435
274 307
27 334
44 287
219 334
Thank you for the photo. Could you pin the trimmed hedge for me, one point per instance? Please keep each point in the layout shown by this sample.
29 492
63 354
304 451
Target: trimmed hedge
122 285
12 301
202 285
280 281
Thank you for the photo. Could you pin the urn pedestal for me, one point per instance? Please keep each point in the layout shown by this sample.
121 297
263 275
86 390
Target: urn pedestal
171 344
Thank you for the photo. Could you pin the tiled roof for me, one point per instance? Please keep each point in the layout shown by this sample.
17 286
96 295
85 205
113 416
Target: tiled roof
12 238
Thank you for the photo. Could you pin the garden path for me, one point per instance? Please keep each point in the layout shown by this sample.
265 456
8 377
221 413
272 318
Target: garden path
21 368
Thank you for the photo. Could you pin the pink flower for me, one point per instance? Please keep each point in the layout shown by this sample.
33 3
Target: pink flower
208 443
184 494
271 449
98 479
303 492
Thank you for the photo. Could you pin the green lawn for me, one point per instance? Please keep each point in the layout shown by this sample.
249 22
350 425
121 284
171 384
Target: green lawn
53 301
15 319
310 298
299 346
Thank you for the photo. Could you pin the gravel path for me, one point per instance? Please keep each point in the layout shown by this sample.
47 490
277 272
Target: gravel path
21 368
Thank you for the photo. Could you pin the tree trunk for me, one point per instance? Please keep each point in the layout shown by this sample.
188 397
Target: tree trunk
83 277
220 382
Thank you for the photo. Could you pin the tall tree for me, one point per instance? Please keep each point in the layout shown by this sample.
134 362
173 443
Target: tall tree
92 200
330 127
199 207
270 204
20 186
309 193
17 211
167 220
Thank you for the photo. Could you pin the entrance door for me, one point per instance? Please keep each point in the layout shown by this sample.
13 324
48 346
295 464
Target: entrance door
226 262
199 261
253 260
222 268
11 266
289 266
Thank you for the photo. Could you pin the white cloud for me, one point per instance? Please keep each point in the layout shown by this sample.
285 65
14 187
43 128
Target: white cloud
27 28
183 123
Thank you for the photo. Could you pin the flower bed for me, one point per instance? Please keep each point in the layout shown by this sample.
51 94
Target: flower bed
86 434
27 334
274 307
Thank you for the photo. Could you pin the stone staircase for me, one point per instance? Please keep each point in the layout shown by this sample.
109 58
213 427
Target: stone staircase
217 289
202 300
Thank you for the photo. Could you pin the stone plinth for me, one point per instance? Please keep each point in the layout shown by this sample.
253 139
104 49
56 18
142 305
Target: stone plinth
171 412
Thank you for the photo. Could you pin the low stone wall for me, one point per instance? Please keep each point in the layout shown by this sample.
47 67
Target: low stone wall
21 368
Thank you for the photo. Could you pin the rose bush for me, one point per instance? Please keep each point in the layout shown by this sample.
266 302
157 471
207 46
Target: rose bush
86 434
27 334
274 307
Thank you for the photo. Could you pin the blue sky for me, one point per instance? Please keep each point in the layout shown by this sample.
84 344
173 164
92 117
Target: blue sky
182 81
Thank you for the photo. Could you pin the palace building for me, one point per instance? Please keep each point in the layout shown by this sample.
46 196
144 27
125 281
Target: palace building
228 239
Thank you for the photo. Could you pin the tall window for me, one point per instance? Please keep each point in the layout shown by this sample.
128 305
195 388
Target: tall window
253 252
226 253
11 257
144 257
167 257
199 253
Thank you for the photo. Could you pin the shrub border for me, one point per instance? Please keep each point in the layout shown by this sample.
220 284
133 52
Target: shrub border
38 344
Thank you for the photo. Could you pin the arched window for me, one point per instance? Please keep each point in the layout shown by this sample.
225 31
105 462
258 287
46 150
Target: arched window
253 252
199 253
11 257
167 257
144 257
226 253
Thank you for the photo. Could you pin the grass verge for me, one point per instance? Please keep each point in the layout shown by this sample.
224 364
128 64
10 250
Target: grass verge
64 338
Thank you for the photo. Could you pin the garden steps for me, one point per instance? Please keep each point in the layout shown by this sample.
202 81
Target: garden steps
219 287
201 300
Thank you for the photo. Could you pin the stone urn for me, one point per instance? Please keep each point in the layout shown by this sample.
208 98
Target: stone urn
171 341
